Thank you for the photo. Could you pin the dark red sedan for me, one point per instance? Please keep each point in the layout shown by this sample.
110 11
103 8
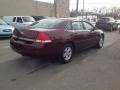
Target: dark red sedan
56 37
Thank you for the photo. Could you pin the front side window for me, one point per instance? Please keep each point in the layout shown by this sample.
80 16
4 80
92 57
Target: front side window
87 26
77 25
19 20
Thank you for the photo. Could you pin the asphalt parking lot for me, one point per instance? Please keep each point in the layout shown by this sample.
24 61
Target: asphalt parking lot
93 69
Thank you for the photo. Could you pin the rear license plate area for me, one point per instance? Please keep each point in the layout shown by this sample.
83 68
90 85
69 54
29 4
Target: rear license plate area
18 47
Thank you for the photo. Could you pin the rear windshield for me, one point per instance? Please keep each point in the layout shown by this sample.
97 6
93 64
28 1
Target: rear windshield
2 22
28 19
47 23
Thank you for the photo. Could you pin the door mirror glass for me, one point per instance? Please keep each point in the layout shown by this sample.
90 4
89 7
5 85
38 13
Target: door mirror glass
95 28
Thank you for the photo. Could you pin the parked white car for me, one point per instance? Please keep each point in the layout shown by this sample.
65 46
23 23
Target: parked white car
19 21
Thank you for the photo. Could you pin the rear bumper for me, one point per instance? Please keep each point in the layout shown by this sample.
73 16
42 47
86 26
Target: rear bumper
37 49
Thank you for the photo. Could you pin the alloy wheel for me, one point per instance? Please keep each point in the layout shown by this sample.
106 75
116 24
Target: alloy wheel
67 53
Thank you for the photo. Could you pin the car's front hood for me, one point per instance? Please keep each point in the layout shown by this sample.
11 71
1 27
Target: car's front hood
6 27
28 23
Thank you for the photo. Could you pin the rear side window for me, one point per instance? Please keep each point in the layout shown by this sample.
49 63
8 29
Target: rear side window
14 19
19 20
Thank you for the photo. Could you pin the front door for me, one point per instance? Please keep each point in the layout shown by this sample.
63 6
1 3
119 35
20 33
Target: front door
91 35
79 34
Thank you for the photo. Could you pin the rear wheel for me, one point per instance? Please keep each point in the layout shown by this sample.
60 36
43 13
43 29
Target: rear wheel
67 53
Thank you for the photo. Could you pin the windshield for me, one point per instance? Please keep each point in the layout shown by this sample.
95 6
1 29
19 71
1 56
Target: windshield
106 19
28 19
2 22
46 23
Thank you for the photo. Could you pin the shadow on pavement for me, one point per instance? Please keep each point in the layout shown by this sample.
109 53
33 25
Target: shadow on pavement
20 67
27 70
31 65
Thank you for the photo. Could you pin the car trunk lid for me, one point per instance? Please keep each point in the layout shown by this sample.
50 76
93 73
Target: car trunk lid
33 34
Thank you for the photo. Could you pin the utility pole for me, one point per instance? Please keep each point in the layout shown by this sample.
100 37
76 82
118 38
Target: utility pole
77 4
83 9
55 8
36 8
83 6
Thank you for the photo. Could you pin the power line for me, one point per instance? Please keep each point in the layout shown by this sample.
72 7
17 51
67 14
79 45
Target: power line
97 3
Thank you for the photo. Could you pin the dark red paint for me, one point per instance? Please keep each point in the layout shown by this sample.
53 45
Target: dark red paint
50 42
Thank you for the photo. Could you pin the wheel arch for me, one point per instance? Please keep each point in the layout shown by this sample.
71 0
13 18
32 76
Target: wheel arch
103 35
71 43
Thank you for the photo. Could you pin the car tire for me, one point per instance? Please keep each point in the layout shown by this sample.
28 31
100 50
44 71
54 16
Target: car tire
111 28
116 27
23 55
67 54
101 42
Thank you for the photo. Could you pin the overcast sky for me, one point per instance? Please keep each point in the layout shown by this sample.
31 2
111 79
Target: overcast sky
90 4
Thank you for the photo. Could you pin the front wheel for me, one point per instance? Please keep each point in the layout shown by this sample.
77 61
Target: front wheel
101 42
67 53
111 28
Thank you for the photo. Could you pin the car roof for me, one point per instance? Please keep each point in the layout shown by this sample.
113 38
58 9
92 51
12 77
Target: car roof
73 19
17 16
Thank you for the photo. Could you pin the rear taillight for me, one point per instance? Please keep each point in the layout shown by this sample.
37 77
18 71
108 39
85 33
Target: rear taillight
43 37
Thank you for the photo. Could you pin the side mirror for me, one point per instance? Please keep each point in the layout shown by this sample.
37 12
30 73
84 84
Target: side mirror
94 28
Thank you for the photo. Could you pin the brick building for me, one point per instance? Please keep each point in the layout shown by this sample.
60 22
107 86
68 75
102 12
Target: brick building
60 8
